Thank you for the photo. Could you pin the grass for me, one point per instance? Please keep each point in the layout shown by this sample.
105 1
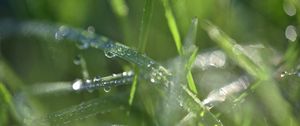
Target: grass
177 39
162 49
145 23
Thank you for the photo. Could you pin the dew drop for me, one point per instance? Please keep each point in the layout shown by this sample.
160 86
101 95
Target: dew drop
97 79
77 85
290 33
237 49
152 80
283 74
107 89
61 33
124 74
289 8
94 44
77 60
83 43
180 104
91 29
88 81
109 54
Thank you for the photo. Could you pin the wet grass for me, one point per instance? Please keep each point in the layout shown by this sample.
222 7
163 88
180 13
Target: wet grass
167 88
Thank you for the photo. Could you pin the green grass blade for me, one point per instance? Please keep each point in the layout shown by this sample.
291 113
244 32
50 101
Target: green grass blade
190 79
291 55
190 39
7 103
147 13
172 26
120 10
146 18
133 89
233 50
190 52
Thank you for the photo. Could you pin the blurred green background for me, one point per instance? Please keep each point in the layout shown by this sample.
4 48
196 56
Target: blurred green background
36 60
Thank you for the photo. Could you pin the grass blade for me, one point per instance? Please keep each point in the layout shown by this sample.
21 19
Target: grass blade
190 51
234 51
189 41
147 13
172 26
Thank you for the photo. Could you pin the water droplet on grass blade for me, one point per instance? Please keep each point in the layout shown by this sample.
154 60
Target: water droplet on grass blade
97 79
77 85
290 33
109 54
107 89
61 33
91 29
152 80
289 8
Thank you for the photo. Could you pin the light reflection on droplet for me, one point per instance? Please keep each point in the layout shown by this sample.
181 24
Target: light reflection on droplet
77 85
290 33
289 8
152 80
109 54
97 79
283 74
62 32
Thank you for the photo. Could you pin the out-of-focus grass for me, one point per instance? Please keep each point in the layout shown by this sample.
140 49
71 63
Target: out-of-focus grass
6 105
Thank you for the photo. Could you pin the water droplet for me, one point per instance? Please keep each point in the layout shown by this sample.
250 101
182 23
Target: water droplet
77 85
289 8
94 44
97 79
88 81
107 89
109 54
124 73
283 74
77 60
290 33
104 39
152 80
61 33
214 31
180 104
83 44
91 29
237 49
